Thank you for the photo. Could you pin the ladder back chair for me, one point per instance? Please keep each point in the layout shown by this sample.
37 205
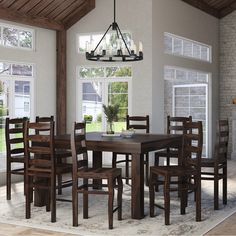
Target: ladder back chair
61 154
175 125
83 172
189 166
14 135
140 123
215 169
41 166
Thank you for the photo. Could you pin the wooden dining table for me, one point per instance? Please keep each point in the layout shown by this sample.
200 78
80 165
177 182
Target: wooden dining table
136 146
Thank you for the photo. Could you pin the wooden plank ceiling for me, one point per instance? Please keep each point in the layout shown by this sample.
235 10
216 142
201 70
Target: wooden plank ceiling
217 8
50 14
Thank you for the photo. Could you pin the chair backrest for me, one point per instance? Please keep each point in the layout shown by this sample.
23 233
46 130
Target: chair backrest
44 118
175 125
222 140
138 123
14 135
192 144
39 145
78 147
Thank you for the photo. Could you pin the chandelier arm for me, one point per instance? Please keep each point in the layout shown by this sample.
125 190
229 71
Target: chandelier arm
114 11
123 39
102 38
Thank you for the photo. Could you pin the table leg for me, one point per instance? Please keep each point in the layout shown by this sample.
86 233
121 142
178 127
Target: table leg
137 192
97 163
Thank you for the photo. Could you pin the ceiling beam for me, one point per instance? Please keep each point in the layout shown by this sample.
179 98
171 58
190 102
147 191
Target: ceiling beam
79 13
204 7
43 22
227 10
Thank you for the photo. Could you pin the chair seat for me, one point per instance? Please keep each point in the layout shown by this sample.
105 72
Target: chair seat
99 173
172 170
210 162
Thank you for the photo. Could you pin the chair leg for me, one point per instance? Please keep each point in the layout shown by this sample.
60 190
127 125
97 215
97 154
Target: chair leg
8 177
157 164
167 199
110 202
127 169
119 197
53 199
183 195
198 197
151 194
27 198
216 188
85 199
24 179
225 184
59 182
114 159
75 203
147 169
48 197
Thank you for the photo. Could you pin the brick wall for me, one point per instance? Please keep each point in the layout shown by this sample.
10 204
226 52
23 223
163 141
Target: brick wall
228 69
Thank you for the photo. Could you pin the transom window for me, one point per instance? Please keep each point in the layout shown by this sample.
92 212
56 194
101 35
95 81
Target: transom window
110 41
16 37
103 85
180 46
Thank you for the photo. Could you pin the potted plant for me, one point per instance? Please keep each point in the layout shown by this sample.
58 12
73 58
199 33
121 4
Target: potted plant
111 113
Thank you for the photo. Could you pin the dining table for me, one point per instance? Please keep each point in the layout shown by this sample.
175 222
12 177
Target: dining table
136 146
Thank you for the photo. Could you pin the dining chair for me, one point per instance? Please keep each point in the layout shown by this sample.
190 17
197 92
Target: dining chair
189 166
14 135
140 123
60 154
175 125
215 169
82 171
41 166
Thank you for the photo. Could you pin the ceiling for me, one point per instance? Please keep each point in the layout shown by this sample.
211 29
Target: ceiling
51 14
217 8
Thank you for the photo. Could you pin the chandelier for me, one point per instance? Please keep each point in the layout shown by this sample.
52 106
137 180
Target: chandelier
119 53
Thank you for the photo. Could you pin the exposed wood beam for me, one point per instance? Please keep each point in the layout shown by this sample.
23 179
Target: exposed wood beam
43 22
75 16
227 10
61 82
204 7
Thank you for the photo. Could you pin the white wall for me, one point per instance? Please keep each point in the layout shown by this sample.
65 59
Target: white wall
184 20
134 16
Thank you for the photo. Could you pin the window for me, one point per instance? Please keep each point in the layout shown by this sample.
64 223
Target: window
180 46
186 93
110 41
16 37
16 96
103 85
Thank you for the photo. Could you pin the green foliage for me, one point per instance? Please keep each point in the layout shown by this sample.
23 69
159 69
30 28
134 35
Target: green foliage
3 113
99 117
88 118
111 112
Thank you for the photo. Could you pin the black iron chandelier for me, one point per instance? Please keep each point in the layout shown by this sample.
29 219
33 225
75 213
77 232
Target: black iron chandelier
121 53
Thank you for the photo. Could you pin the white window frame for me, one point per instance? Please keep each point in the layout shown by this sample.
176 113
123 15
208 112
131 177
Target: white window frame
173 36
105 80
19 28
206 85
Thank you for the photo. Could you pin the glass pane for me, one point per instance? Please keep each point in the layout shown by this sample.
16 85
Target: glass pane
5 68
205 53
168 43
118 71
177 46
92 106
83 40
23 70
25 38
10 37
4 112
118 94
22 99
187 48
169 73
196 51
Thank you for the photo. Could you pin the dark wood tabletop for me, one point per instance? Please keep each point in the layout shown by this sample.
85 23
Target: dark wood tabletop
136 146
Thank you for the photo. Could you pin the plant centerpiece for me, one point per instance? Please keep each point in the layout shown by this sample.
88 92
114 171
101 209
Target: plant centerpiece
111 113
